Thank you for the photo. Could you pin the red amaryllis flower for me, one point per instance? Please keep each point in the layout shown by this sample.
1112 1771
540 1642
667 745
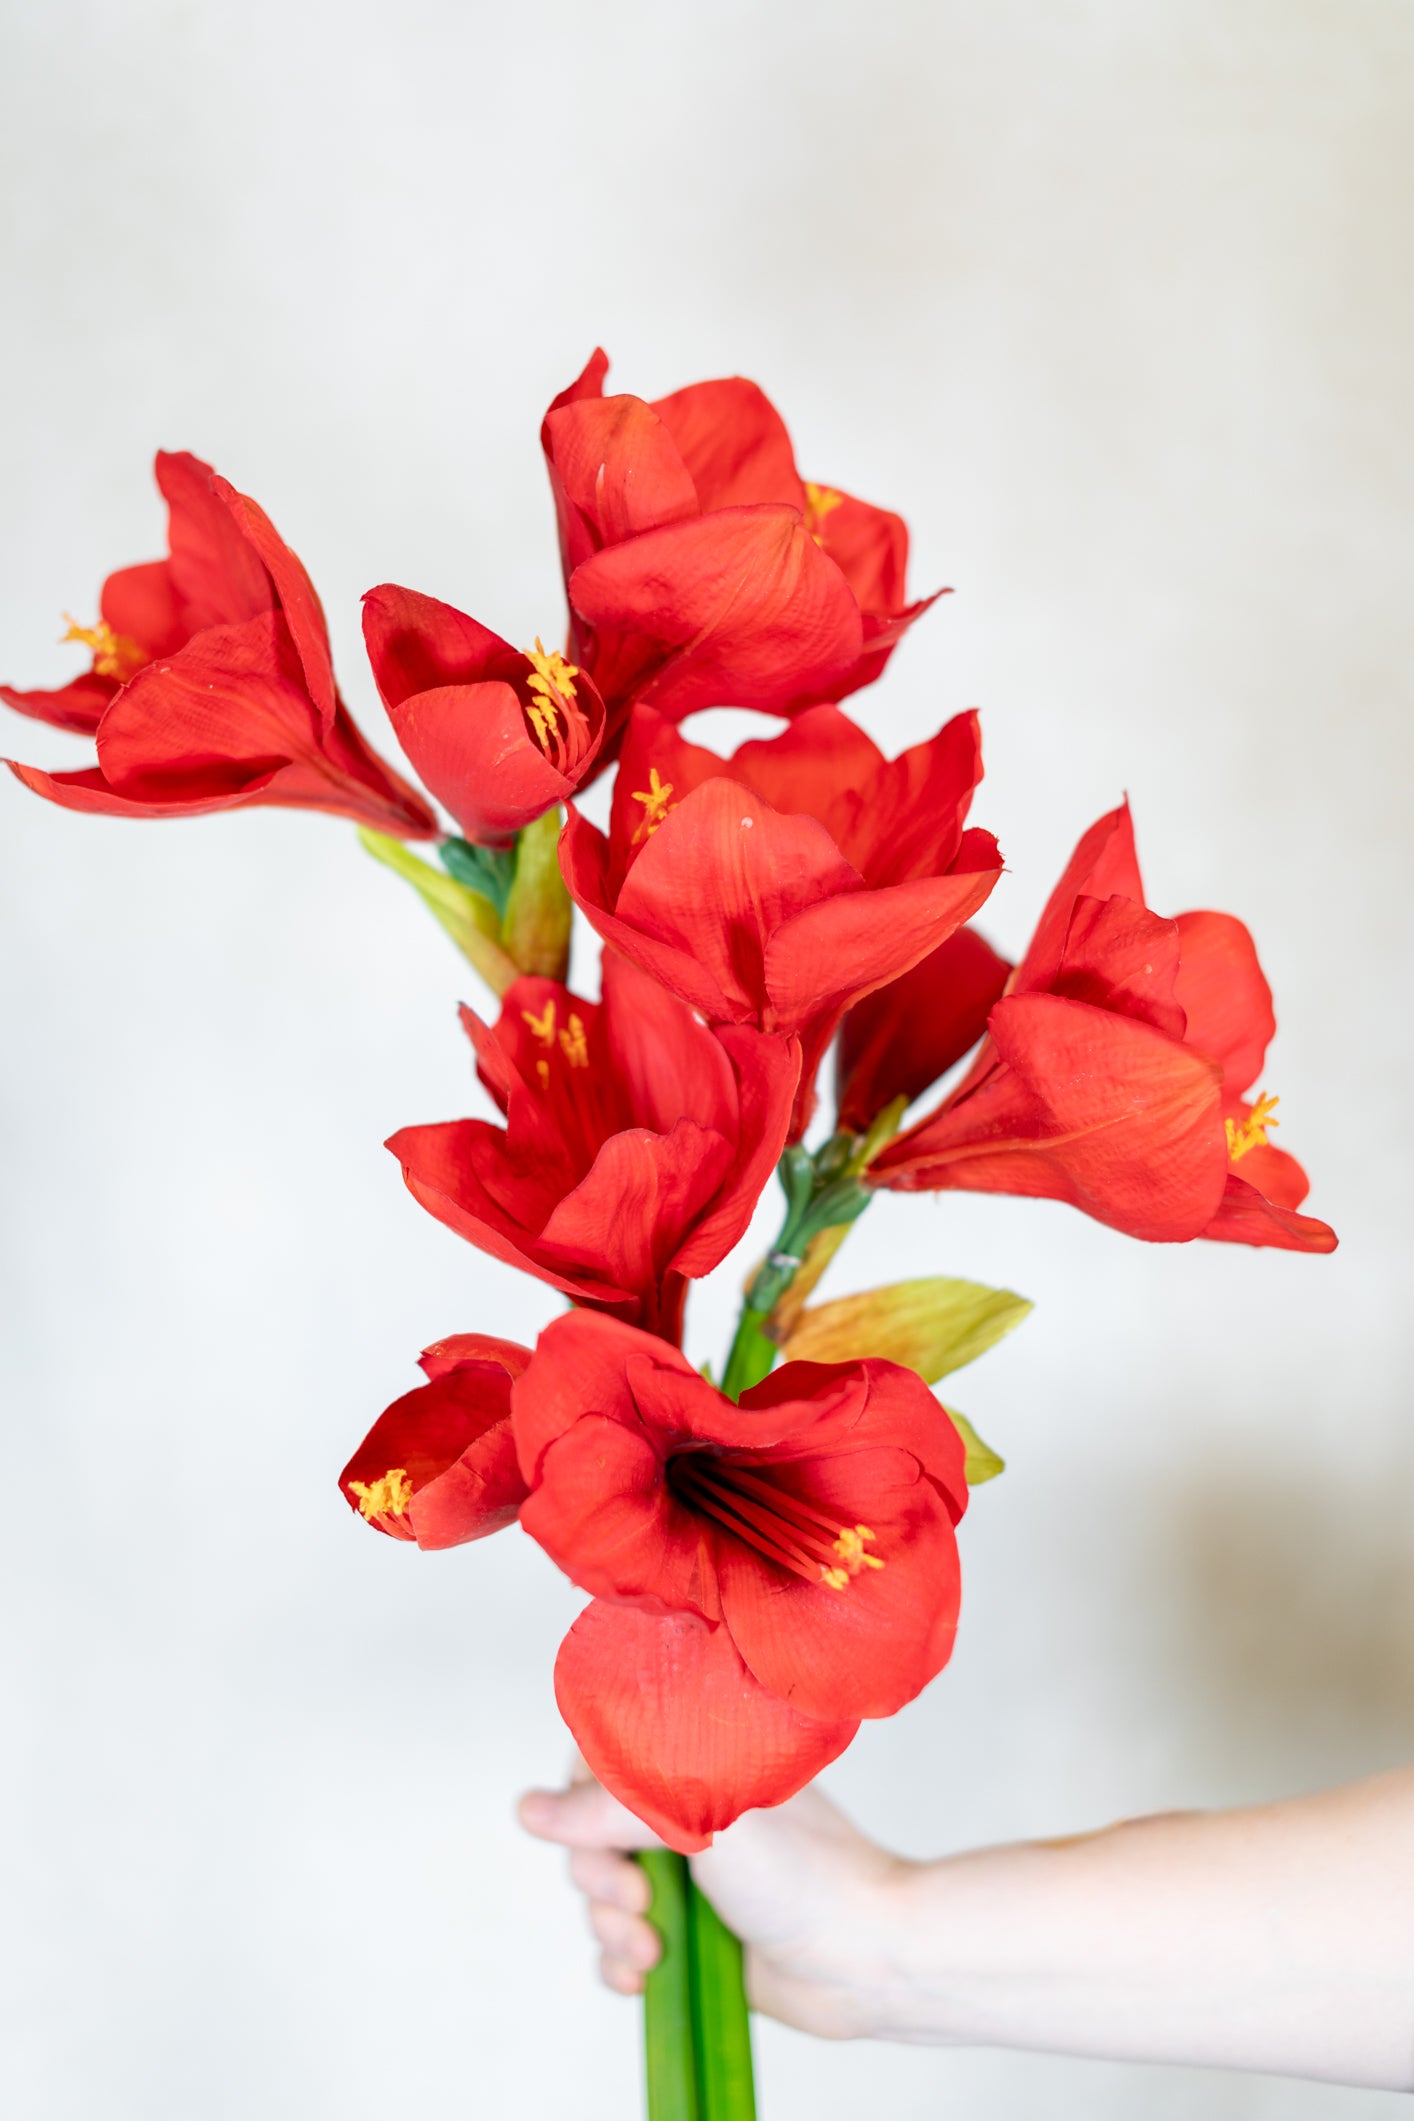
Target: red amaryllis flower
498 735
763 1575
779 886
701 570
636 1143
902 1037
1110 1074
212 686
439 1465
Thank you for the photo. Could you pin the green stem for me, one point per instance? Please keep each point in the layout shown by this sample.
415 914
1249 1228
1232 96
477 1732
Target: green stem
669 2040
720 2016
751 1354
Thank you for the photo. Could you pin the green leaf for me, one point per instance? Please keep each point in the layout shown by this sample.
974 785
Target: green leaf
932 1326
486 870
982 1462
469 918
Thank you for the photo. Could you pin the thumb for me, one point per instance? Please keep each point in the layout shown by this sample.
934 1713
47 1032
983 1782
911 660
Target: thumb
584 1816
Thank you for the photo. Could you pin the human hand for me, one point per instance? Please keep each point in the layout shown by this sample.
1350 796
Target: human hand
813 1901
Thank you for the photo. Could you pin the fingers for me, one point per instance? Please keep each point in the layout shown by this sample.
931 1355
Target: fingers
598 1831
602 1874
584 1816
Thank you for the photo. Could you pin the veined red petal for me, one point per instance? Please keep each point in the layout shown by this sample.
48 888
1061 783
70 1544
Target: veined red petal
216 574
1224 995
79 707
417 643
1247 1217
733 442
439 1465
304 614
737 608
615 471
1104 865
671 1721
904 1036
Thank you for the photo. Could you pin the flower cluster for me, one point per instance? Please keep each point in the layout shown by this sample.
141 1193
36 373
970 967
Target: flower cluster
772 1556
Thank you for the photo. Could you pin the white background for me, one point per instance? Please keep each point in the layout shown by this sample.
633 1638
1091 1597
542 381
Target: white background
1112 300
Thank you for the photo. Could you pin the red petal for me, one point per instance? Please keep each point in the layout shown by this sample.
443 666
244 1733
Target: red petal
870 547
416 643
470 746
738 608
1104 865
442 1170
834 952
216 574
580 1369
229 707
615 472
901 1038
86 790
717 882
453 1440
670 1720
869 1648
80 706
733 442
604 1513
911 815
459 1350
768 1075
1226 998
625 1221
589 383
1086 1107
141 604
1245 1217
1120 956
304 614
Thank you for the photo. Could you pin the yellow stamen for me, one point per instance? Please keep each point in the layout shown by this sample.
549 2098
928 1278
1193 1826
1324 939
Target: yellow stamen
656 799
574 1043
542 1027
819 501
114 655
552 683
850 1548
1251 1133
386 1497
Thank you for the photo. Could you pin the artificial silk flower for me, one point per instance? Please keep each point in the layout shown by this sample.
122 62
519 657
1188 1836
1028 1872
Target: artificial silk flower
701 570
500 735
439 1465
779 886
211 686
902 1037
1112 1069
636 1145
763 1575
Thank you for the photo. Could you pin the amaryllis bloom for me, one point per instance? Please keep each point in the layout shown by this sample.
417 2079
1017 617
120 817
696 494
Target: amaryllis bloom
498 734
211 686
701 570
439 1465
901 1038
763 1575
1112 1073
636 1144
779 886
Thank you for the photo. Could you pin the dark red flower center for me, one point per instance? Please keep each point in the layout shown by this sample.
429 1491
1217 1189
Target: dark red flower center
794 1534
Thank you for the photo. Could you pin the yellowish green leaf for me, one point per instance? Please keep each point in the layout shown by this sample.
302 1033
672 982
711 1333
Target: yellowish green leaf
932 1326
469 919
982 1462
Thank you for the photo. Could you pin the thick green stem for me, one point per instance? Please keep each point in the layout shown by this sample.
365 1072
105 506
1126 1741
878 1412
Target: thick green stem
751 1354
669 2036
720 2014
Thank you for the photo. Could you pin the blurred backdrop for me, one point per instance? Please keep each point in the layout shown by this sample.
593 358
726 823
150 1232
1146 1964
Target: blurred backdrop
1113 302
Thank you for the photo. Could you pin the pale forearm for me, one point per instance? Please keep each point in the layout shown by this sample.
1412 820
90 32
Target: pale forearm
1279 1938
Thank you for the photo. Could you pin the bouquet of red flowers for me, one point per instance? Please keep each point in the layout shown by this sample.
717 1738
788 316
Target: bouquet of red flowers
770 1551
